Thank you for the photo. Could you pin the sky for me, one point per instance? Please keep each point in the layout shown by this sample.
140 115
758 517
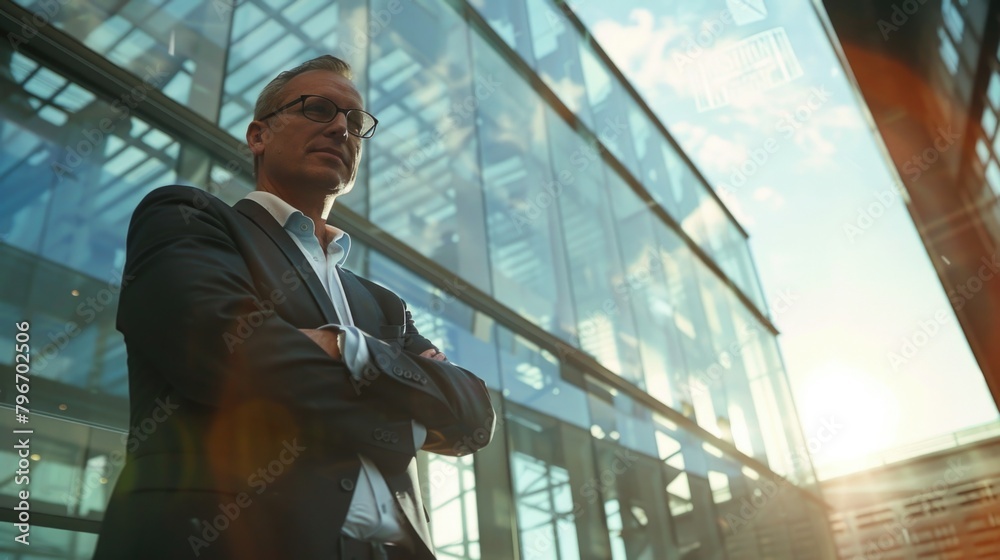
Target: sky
818 199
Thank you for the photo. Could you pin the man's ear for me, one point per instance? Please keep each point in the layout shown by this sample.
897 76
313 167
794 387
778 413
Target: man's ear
255 137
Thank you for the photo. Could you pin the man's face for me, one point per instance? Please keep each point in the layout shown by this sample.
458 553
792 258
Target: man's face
295 152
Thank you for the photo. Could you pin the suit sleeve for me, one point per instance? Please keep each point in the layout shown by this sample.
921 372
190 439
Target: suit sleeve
450 401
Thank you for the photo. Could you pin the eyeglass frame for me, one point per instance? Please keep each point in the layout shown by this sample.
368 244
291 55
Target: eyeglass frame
337 110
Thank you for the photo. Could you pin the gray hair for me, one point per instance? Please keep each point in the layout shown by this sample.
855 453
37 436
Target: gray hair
269 97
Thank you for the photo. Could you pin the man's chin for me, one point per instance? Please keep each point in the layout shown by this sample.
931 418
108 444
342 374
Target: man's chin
331 182
343 188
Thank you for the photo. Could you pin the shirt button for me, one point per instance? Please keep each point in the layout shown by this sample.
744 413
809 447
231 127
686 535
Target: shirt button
347 484
304 227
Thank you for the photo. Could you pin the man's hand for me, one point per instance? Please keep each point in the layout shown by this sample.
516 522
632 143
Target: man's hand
326 339
433 354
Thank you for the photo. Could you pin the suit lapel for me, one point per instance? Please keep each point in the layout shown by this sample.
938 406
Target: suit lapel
280 237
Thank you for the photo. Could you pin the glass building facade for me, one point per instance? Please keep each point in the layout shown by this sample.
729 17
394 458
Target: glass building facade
541 224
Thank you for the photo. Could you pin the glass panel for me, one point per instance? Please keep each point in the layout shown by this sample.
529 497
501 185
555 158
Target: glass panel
450 498
600 289
635 500
531 377
690 499
647 141
608 100
619 418
780 428
525 245
648 292
738 265
688 315
176 46
424 179
63 243
556 48
555 490
680 192
508 19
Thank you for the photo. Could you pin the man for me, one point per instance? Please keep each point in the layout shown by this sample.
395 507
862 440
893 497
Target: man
288 396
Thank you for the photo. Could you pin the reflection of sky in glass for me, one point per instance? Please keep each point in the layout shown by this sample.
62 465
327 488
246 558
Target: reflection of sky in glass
845 305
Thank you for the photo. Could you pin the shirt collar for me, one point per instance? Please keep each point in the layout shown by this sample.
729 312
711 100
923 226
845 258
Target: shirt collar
282 211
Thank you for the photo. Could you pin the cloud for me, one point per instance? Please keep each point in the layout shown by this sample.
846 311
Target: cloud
770 196
639 47
720 154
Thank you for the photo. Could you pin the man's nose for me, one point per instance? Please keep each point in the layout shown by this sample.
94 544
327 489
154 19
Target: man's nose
338 126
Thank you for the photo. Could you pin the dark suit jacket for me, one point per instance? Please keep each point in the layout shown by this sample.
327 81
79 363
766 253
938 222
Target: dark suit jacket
245 434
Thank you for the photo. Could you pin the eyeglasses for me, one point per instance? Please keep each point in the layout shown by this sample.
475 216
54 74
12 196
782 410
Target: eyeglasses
321 109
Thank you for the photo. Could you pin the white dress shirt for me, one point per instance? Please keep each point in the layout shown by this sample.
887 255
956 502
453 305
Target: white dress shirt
372 515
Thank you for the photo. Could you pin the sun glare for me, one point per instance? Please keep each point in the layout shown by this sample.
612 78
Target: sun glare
847 415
